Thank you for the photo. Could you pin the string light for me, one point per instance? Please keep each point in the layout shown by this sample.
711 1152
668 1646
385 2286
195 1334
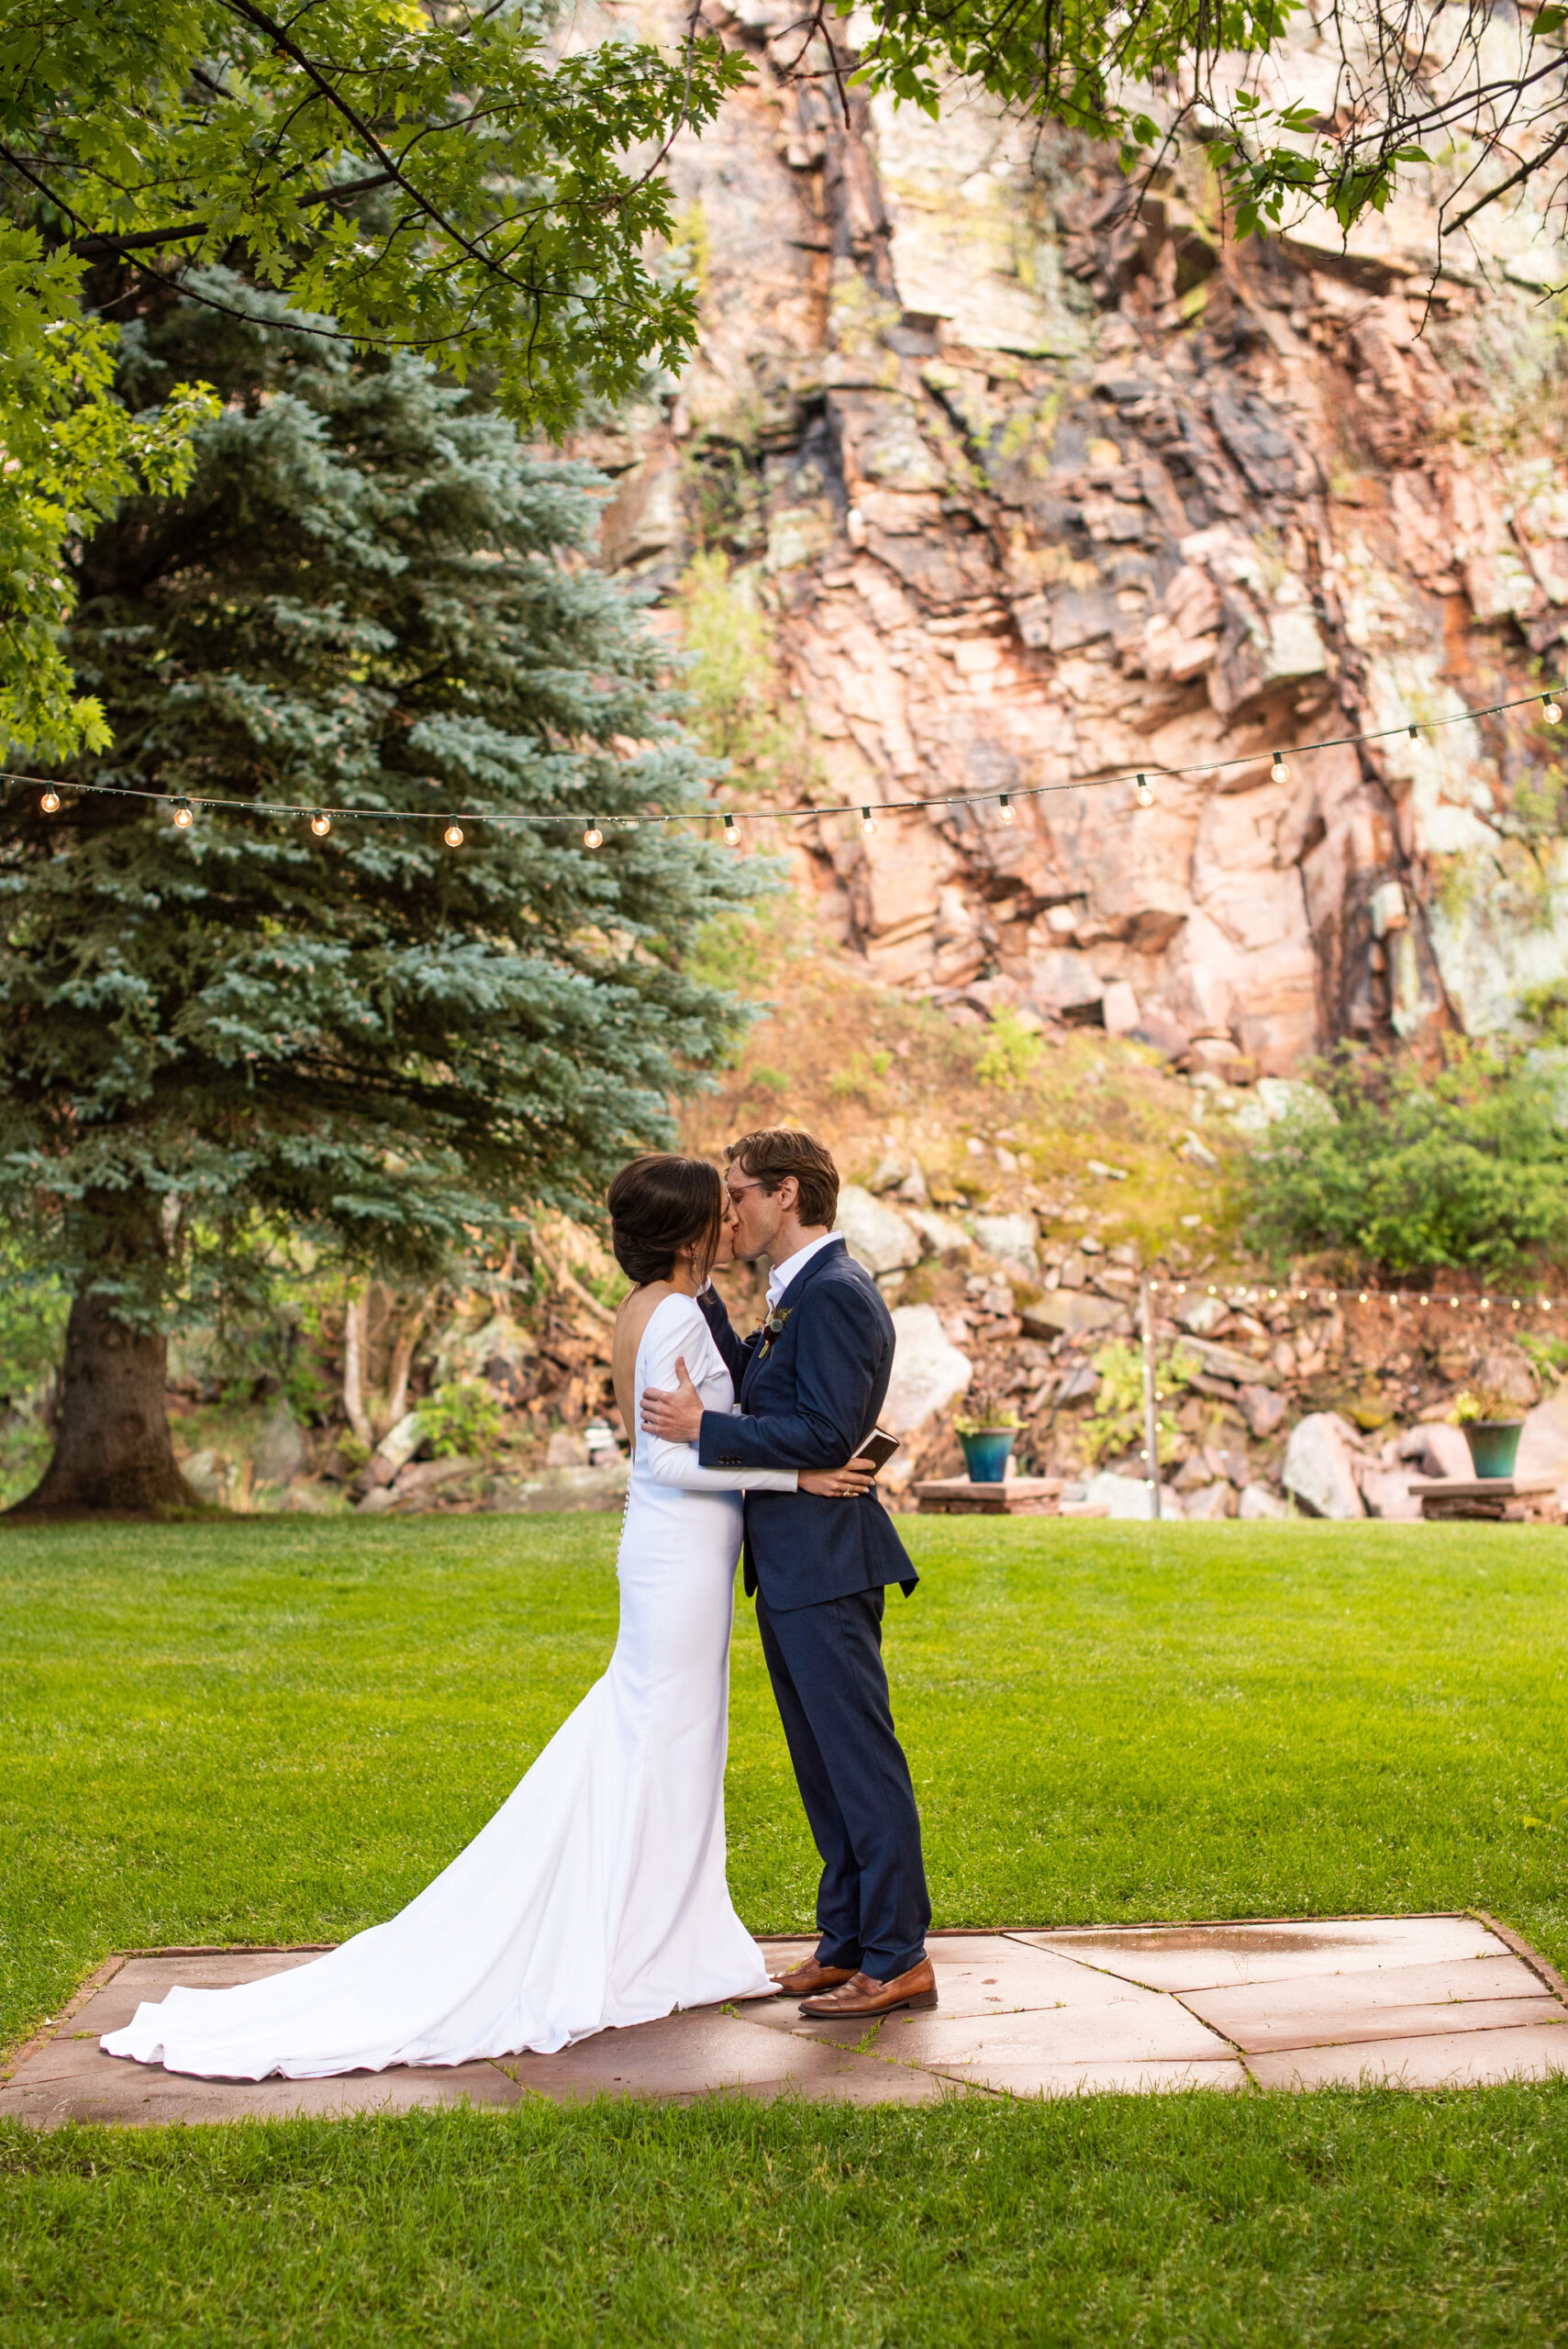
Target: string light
453 836
593 837
1279 771
731 832
185 815
320 825
49 802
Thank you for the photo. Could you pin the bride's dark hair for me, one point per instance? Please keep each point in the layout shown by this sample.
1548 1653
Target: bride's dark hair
660 1205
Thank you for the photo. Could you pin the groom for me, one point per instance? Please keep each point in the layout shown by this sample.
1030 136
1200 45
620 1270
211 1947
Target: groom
810 1382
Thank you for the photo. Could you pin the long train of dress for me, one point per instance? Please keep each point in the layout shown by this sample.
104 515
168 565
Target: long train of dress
596 1895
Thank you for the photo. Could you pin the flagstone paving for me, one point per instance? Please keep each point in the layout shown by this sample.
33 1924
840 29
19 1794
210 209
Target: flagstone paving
1418 2002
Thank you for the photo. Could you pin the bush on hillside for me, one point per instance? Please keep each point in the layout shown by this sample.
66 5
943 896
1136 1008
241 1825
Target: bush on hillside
1464 1166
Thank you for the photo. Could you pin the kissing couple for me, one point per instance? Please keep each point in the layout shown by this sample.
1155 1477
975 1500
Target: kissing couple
596 1896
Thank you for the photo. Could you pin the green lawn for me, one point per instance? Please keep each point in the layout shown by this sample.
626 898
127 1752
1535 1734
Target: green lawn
280 1729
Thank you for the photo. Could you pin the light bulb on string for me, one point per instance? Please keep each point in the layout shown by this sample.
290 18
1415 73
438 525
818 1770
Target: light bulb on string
1550 708
731 832
1418 742
453 836
320 825
1005 812
185 815
49 802
867 824
1279 771
1145 792
593 837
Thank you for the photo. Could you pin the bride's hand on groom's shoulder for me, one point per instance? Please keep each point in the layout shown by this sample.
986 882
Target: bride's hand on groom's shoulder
674 1418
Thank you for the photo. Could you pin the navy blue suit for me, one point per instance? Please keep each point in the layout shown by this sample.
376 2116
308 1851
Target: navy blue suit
810 1395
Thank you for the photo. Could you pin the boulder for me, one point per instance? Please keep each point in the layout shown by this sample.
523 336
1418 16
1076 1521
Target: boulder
1074 1310
1257 1502
423 1477
281 1453
499 1351
1543 1445
1320 1466
1264 1413
877 1236
1436 1449
940 1234
206 1476
1227 1362
1199 1315
1387 1494
1507 1371
1120 1496
396 1447
1209 1502
1011 1239
929 1372
566 1449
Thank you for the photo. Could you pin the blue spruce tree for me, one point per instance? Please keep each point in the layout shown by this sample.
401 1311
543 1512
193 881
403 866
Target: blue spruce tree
374 601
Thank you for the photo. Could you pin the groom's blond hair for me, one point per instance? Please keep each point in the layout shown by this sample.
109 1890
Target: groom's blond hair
774 1152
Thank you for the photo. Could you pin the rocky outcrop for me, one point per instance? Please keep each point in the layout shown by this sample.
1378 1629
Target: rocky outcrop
1039 478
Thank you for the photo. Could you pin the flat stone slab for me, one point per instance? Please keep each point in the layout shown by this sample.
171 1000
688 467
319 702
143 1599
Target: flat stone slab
1415 2002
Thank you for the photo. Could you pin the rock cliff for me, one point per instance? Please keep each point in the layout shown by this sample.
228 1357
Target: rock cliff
1035 475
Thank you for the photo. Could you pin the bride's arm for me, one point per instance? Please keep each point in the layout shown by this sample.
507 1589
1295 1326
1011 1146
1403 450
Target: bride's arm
669 1335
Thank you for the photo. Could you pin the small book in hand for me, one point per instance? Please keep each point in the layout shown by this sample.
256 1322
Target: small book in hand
878 1448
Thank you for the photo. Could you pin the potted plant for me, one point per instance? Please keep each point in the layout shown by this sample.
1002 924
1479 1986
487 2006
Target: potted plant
987 1437
1491 1426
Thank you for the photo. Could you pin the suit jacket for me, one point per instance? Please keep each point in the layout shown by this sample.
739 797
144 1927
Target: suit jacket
810 1397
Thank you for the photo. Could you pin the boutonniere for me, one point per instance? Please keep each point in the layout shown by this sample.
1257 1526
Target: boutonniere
771 1328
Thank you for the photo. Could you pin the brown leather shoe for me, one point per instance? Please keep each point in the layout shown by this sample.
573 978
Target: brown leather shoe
865 1996
806 1979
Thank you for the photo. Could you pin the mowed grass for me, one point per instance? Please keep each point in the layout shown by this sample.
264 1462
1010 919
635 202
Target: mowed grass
280 1730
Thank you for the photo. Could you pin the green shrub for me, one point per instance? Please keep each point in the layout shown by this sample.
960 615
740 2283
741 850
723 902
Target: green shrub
1465 1165
461 1420
1011 1053
1117 1420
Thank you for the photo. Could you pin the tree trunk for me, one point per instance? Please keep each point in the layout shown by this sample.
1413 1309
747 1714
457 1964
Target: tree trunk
112 1453
403 1358
356 1346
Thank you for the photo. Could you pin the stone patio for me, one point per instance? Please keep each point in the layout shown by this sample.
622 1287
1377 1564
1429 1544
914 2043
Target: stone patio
1415 2002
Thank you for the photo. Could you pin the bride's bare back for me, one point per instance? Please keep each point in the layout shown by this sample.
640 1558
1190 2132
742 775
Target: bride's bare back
632 1317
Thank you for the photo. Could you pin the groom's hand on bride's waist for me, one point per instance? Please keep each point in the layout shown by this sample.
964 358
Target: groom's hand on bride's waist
677 1418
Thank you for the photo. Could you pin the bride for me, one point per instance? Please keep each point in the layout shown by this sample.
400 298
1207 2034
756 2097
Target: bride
596 1895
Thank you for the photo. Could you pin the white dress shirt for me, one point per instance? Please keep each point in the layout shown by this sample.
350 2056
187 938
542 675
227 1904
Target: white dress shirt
783 1275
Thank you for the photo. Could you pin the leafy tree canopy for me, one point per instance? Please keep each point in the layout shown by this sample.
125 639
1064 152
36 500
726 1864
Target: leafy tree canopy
1328 106
432 176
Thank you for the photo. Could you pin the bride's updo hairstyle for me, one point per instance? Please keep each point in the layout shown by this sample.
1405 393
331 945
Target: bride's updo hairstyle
660 1205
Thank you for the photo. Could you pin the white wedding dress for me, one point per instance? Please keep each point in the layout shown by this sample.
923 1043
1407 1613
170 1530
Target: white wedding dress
596 1895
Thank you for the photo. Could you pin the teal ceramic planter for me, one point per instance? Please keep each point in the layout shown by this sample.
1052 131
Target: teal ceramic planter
1493 1445
985 1454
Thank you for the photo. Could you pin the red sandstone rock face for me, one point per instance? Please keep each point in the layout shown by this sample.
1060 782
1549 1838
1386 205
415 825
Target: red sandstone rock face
1040 481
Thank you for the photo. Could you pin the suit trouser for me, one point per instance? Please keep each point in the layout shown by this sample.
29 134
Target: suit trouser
831 1688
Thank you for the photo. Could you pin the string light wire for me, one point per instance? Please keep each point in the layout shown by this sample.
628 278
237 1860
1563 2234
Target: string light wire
1548 703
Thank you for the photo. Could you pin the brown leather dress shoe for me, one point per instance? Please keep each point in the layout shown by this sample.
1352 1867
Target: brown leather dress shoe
865 1996
805 1980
